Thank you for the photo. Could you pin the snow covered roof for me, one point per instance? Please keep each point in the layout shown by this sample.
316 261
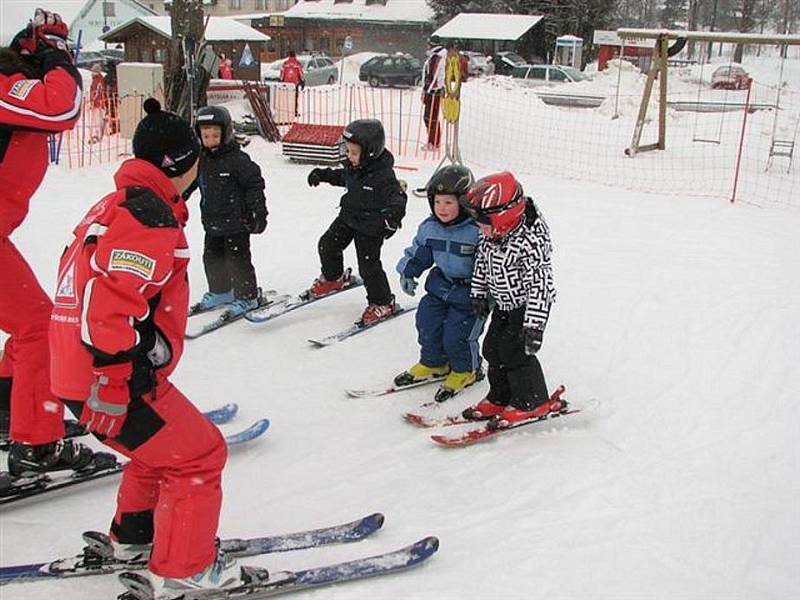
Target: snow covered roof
219 29
416 11
484 26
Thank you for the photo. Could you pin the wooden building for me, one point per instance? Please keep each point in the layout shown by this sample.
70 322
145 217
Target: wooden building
323 26
148 39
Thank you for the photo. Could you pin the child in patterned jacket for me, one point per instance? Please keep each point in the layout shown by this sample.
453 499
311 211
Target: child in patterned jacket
513 280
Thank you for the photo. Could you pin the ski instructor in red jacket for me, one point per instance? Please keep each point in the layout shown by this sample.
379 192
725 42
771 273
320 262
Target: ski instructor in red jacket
116 335
40 93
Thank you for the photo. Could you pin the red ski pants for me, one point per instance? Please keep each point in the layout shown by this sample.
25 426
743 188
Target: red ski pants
172 487
36 415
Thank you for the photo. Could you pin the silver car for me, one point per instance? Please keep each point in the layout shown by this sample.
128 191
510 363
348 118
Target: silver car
318 69
536 75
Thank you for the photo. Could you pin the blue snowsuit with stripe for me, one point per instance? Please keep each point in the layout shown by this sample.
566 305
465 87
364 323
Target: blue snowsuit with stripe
446 324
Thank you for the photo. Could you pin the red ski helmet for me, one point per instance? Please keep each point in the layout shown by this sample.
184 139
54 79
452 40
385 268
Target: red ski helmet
496 200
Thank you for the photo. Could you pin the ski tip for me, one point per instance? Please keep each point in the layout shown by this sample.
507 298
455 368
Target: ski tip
317 343
376 520
417 420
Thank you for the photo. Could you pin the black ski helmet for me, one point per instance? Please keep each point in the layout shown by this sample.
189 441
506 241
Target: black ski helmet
367 133
215 115
452 179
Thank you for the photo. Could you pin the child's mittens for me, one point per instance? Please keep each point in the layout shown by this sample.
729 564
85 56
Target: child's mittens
408 285
533 340
258 222
314 178
481 307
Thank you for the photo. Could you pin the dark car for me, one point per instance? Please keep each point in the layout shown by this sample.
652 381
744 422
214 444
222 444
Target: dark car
504 62
394 69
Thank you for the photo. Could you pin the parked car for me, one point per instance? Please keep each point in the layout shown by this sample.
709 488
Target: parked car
730 77
479 64
318 69
93 57
504 62
536 75
391 69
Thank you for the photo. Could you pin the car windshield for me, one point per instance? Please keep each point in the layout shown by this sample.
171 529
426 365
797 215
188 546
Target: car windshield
575 74
514 58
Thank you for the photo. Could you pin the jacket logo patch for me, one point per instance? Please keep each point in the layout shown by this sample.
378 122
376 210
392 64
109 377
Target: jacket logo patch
467 250
133 263
65 294
22 88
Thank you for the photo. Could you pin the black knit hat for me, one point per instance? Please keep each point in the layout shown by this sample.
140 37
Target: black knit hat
165 140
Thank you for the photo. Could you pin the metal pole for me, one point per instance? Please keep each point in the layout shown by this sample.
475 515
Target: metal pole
741 140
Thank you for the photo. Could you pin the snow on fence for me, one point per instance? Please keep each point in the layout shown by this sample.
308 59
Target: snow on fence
504 126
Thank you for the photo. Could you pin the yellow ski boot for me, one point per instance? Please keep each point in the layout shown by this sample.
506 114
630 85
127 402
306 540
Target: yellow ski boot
420 373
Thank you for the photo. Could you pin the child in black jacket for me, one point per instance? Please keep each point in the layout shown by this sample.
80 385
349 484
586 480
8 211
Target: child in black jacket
371 211
232 207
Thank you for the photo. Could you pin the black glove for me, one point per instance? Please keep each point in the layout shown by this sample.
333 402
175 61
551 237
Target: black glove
481 307
314 178
302 85
533 340
258 222
390 227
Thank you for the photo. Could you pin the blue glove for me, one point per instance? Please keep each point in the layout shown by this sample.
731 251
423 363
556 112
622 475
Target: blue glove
408 284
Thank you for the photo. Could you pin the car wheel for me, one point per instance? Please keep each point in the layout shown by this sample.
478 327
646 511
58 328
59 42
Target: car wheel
331 80
374 81
417 80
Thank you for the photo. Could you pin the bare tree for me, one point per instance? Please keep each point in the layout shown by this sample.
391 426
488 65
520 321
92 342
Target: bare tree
186 18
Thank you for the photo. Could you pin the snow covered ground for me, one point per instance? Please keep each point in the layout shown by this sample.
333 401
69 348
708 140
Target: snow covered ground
677 325
677 322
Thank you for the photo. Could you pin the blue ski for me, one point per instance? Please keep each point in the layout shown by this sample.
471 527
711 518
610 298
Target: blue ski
227 318
93 562
262 315
358 327
14 489
218 416
266 585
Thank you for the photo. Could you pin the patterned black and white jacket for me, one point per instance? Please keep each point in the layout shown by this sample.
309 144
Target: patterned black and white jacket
517 271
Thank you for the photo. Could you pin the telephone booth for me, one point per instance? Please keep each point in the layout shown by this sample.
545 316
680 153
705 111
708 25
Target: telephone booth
569 50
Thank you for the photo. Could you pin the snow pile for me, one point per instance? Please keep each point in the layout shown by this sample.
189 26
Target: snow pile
352 65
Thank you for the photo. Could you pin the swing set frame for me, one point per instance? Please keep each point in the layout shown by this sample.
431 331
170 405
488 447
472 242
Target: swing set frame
658 69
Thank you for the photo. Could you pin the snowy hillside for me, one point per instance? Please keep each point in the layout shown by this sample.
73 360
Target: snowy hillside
677 323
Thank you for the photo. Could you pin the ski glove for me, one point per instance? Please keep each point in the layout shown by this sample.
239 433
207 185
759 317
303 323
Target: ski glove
390 227
258 223
314 178
408 285
533 340
106 408
481 307
46 31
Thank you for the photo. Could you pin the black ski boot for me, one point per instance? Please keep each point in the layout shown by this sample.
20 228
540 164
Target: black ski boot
56 456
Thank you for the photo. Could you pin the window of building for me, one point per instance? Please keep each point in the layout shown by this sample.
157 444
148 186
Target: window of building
235 4
381 2
159 55
342 1
261 4
109 9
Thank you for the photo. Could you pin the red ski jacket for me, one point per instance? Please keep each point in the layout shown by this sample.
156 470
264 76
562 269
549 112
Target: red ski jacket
29 109
292 71
122 282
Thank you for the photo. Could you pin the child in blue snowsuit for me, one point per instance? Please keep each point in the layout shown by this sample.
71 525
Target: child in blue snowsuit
446 324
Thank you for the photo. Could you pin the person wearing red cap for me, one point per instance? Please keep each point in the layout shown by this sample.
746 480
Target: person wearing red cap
40 94
116 335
